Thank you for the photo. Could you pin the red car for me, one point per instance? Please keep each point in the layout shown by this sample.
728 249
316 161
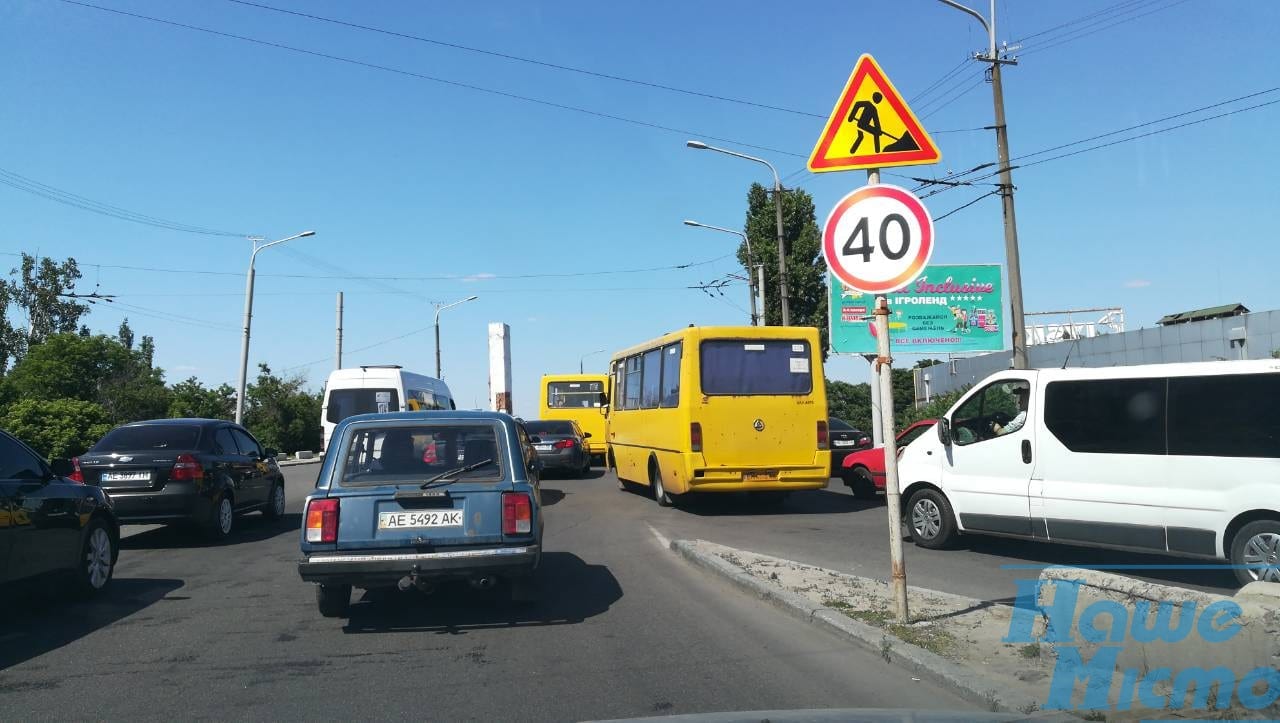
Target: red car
863 471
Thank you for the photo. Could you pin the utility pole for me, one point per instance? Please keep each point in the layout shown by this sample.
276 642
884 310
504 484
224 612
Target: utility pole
1013 266
337 354
440 308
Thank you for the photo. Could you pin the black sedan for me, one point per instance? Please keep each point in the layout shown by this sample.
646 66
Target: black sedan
185 470
51 524
845 438
561 445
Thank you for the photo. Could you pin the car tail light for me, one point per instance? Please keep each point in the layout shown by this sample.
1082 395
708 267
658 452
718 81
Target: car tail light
76 474
695 437
517 514
565 444
322 520
822 434
186 468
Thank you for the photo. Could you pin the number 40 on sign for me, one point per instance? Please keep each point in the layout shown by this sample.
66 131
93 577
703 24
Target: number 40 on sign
878 238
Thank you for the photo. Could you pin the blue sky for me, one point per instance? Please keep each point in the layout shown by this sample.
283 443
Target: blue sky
405 177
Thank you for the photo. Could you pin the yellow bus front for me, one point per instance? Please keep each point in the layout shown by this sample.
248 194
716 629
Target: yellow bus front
580 398
749 412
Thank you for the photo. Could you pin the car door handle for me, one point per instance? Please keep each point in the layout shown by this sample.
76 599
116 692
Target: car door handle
1026 451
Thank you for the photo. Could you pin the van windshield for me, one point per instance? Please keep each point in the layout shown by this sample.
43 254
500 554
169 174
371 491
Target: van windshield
414 454
345 403
756 366
567 395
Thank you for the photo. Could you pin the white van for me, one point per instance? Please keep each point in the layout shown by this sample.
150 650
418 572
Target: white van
379 388
1169 458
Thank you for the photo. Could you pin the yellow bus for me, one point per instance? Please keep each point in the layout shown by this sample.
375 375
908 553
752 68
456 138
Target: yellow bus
581 398
721 409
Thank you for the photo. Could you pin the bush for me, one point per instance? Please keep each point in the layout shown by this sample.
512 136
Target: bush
57 427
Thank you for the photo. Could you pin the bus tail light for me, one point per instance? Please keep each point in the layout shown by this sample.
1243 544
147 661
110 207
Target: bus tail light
517 514
695 437
822 434
322 520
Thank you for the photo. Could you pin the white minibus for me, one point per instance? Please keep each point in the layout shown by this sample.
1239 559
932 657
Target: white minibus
379 388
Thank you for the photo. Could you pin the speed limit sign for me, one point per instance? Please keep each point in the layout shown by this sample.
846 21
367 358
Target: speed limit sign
878 238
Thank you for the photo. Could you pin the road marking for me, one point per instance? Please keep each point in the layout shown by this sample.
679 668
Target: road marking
662 540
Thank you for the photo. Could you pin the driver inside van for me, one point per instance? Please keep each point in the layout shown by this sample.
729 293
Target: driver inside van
1021 395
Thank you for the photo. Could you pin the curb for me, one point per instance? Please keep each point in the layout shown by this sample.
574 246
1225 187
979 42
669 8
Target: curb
971 686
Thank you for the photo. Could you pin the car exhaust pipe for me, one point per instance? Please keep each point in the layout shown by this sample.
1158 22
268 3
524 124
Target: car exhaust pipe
483 583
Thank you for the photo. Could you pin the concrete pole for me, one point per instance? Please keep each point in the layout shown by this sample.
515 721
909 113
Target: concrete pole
1012 259
500 367
782 251
337 352
760 290
244 341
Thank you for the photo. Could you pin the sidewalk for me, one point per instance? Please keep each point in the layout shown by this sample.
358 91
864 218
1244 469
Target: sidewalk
1017 659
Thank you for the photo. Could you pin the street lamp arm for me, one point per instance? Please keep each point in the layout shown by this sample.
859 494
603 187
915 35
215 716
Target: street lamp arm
991 37
777 181
257 248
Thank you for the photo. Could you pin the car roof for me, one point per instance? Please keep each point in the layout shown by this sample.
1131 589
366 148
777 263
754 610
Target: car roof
179 421
435 415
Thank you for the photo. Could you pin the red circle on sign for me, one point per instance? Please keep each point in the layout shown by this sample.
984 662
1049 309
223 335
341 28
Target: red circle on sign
920 254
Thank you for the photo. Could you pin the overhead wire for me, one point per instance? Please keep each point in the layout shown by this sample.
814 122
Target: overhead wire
1086 31
531 61
434 79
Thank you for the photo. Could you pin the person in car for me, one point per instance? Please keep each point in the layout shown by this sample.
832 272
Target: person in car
1020 394
397 456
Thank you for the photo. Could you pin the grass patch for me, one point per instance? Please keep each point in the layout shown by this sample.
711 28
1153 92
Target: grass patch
1030 650
929 637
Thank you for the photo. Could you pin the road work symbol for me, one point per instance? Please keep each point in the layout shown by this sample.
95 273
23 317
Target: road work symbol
871 127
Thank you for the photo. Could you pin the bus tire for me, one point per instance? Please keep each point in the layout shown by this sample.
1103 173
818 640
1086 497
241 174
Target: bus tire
655 483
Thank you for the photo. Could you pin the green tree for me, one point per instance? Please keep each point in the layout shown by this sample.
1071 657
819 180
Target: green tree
57 427
39 289
806 271
850 402
96 369
933 409
190 398
125 334
282 414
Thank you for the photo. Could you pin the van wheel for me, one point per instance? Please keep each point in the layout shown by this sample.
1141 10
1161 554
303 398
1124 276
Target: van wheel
1257 544
655 482
333 600
861 484
931 520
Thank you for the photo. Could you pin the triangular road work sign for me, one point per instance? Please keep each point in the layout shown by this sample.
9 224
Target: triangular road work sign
871 127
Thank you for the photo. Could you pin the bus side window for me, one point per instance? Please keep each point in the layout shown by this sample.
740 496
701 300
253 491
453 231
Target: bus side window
671 375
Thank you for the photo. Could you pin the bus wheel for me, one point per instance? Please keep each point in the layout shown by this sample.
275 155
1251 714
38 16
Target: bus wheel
655 482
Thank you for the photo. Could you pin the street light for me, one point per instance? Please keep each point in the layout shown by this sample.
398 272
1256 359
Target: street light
248 317
439 309
777 207
583 358
1012 260
755 272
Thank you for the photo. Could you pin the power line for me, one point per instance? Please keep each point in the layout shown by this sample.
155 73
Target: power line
348 276
531 61
961 208
962 94
1078 20
945 77
52 193
1085 31
436 79
960 82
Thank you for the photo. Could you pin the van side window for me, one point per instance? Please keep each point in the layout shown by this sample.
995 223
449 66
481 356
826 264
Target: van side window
652 379
1000 408
1107 416
631 400
671 375
1225 416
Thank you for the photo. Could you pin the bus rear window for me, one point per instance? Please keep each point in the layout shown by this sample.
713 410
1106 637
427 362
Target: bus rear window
569 395
345 403
756 366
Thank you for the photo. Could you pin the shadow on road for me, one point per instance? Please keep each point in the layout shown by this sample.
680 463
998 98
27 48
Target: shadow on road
248 529
814 502
550 496
37 620
1037 553
570 591
595 473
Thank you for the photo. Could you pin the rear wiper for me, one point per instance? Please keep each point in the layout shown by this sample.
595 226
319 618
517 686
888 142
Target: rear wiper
454 473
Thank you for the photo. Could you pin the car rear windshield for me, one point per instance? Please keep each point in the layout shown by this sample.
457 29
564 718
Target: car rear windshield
415 454
345 403
756 366
548 427
149 436
568 395
840 425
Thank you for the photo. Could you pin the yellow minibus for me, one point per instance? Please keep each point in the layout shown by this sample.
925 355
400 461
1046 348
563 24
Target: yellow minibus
580 398
720 409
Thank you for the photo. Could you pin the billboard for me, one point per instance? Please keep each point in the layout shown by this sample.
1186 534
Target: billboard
947 309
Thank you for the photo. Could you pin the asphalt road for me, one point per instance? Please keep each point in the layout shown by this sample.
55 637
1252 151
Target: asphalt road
625 629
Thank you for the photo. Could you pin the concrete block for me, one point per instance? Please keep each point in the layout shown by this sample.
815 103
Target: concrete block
304 454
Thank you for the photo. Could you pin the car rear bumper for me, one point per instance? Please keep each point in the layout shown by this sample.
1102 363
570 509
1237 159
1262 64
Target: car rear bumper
568 459
174 501
372 569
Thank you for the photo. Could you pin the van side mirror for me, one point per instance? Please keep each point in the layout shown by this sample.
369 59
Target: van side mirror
62 467
586 435
270 452
944 431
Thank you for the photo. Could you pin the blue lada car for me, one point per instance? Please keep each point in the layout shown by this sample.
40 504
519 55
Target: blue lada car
407 500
